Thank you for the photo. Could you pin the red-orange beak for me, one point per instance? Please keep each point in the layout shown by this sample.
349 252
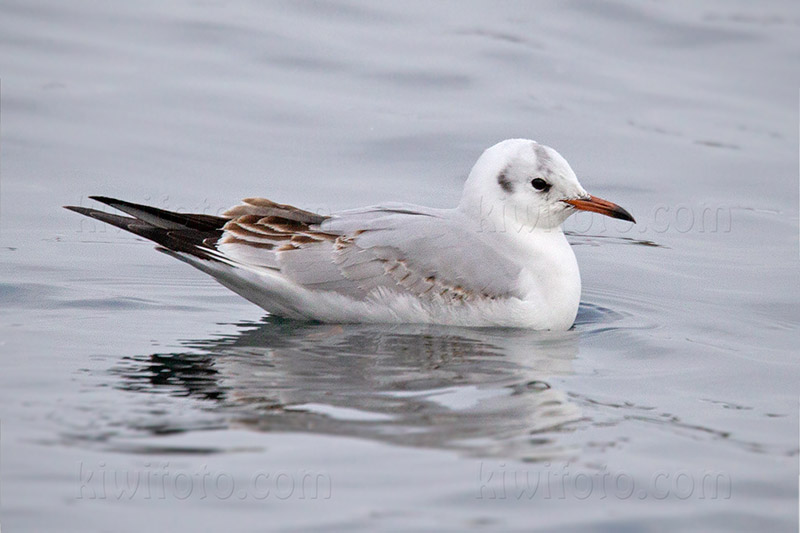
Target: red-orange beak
598 205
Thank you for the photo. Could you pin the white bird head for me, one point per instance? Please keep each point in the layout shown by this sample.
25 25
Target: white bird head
530 183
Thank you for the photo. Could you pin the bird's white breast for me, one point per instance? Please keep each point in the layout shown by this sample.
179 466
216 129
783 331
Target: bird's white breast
550 280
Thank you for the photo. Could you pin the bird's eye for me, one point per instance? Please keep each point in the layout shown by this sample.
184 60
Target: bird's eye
540 185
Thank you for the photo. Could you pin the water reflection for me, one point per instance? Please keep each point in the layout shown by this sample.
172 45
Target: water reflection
481 392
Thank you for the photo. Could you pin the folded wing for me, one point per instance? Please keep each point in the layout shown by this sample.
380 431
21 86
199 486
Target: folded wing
423 252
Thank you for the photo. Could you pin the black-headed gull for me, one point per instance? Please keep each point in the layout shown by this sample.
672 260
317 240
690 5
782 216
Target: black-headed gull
499 258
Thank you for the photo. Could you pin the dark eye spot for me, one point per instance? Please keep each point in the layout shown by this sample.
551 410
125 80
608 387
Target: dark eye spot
540 185
505 183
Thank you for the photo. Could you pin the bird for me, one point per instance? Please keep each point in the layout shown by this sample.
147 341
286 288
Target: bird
497 259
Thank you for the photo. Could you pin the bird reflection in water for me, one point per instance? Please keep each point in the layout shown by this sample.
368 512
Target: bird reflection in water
481 392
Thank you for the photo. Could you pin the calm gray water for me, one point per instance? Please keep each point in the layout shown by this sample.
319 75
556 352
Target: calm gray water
136 394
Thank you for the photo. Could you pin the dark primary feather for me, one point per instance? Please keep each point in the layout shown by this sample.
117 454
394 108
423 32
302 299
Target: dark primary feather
162 218
180 232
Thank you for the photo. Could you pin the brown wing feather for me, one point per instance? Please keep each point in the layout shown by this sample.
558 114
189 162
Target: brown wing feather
267 208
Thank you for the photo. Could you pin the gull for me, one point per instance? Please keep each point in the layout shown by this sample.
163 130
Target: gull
497 259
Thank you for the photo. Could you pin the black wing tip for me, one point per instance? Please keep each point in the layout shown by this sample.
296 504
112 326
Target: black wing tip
106 200
88 211
188 239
